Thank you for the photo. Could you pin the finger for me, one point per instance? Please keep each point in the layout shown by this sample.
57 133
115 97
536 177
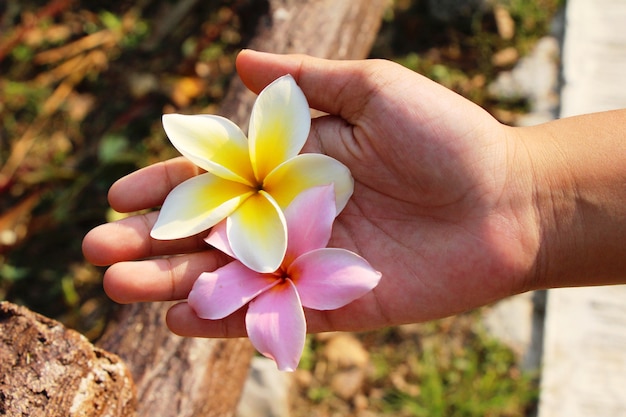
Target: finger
129 239
347 92
370 97
357 316
333 136
347 85
165 279
183 321
148 187
378 89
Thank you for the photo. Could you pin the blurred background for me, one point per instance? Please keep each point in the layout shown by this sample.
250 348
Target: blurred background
83 86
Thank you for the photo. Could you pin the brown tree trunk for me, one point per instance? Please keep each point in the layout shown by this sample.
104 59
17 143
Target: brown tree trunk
177 376
48 370
46 366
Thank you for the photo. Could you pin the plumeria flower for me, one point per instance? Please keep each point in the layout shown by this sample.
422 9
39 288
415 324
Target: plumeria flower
310 275
249 181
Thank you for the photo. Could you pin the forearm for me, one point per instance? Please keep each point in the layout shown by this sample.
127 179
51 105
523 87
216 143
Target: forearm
579 183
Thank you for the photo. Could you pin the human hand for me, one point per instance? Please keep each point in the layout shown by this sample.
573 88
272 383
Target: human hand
442 203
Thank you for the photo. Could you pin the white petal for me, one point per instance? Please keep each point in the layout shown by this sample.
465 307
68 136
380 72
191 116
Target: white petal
197 204
279 125
306 171
257 233
213 143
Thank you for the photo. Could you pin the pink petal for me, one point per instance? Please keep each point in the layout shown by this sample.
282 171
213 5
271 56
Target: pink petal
217 294
309 220
219 239
330 278
276 325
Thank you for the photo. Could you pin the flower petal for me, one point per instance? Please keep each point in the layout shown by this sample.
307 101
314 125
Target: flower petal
309 219
309 170
218 238
276 325
257 233
197 204
213 143
330 278
279 125
218 294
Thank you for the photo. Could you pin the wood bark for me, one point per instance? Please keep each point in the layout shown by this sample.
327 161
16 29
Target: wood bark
177 376
46 370
174 376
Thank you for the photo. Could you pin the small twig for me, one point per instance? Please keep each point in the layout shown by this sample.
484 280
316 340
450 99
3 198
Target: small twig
103 37
24 144
168 23
11 41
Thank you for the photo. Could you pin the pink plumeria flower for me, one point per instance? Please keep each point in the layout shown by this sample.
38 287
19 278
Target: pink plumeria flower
249 181
310 275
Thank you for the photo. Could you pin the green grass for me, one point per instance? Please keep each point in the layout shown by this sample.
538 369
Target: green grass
444 368
480 379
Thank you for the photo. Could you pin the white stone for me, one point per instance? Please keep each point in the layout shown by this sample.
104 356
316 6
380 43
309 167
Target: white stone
585 353
266 391
594 57
535 78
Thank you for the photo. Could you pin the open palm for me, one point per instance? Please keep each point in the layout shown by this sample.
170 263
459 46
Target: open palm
439 207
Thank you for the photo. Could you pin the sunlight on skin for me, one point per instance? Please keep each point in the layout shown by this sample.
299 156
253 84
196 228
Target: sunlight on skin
249 181
310 276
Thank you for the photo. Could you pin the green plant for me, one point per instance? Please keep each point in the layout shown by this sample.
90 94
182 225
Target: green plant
477 378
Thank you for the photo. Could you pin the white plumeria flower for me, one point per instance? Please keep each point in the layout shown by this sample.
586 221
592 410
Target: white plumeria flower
249 181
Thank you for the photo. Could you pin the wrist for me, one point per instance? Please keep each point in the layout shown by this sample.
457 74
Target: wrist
579 194
558 226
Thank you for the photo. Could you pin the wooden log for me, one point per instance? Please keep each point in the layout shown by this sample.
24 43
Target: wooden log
48 370
177 376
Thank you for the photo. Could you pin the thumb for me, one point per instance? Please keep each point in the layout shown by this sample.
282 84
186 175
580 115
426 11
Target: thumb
349 91
358 91
341 88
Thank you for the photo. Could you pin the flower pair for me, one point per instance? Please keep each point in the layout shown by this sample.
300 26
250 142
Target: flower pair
272 210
